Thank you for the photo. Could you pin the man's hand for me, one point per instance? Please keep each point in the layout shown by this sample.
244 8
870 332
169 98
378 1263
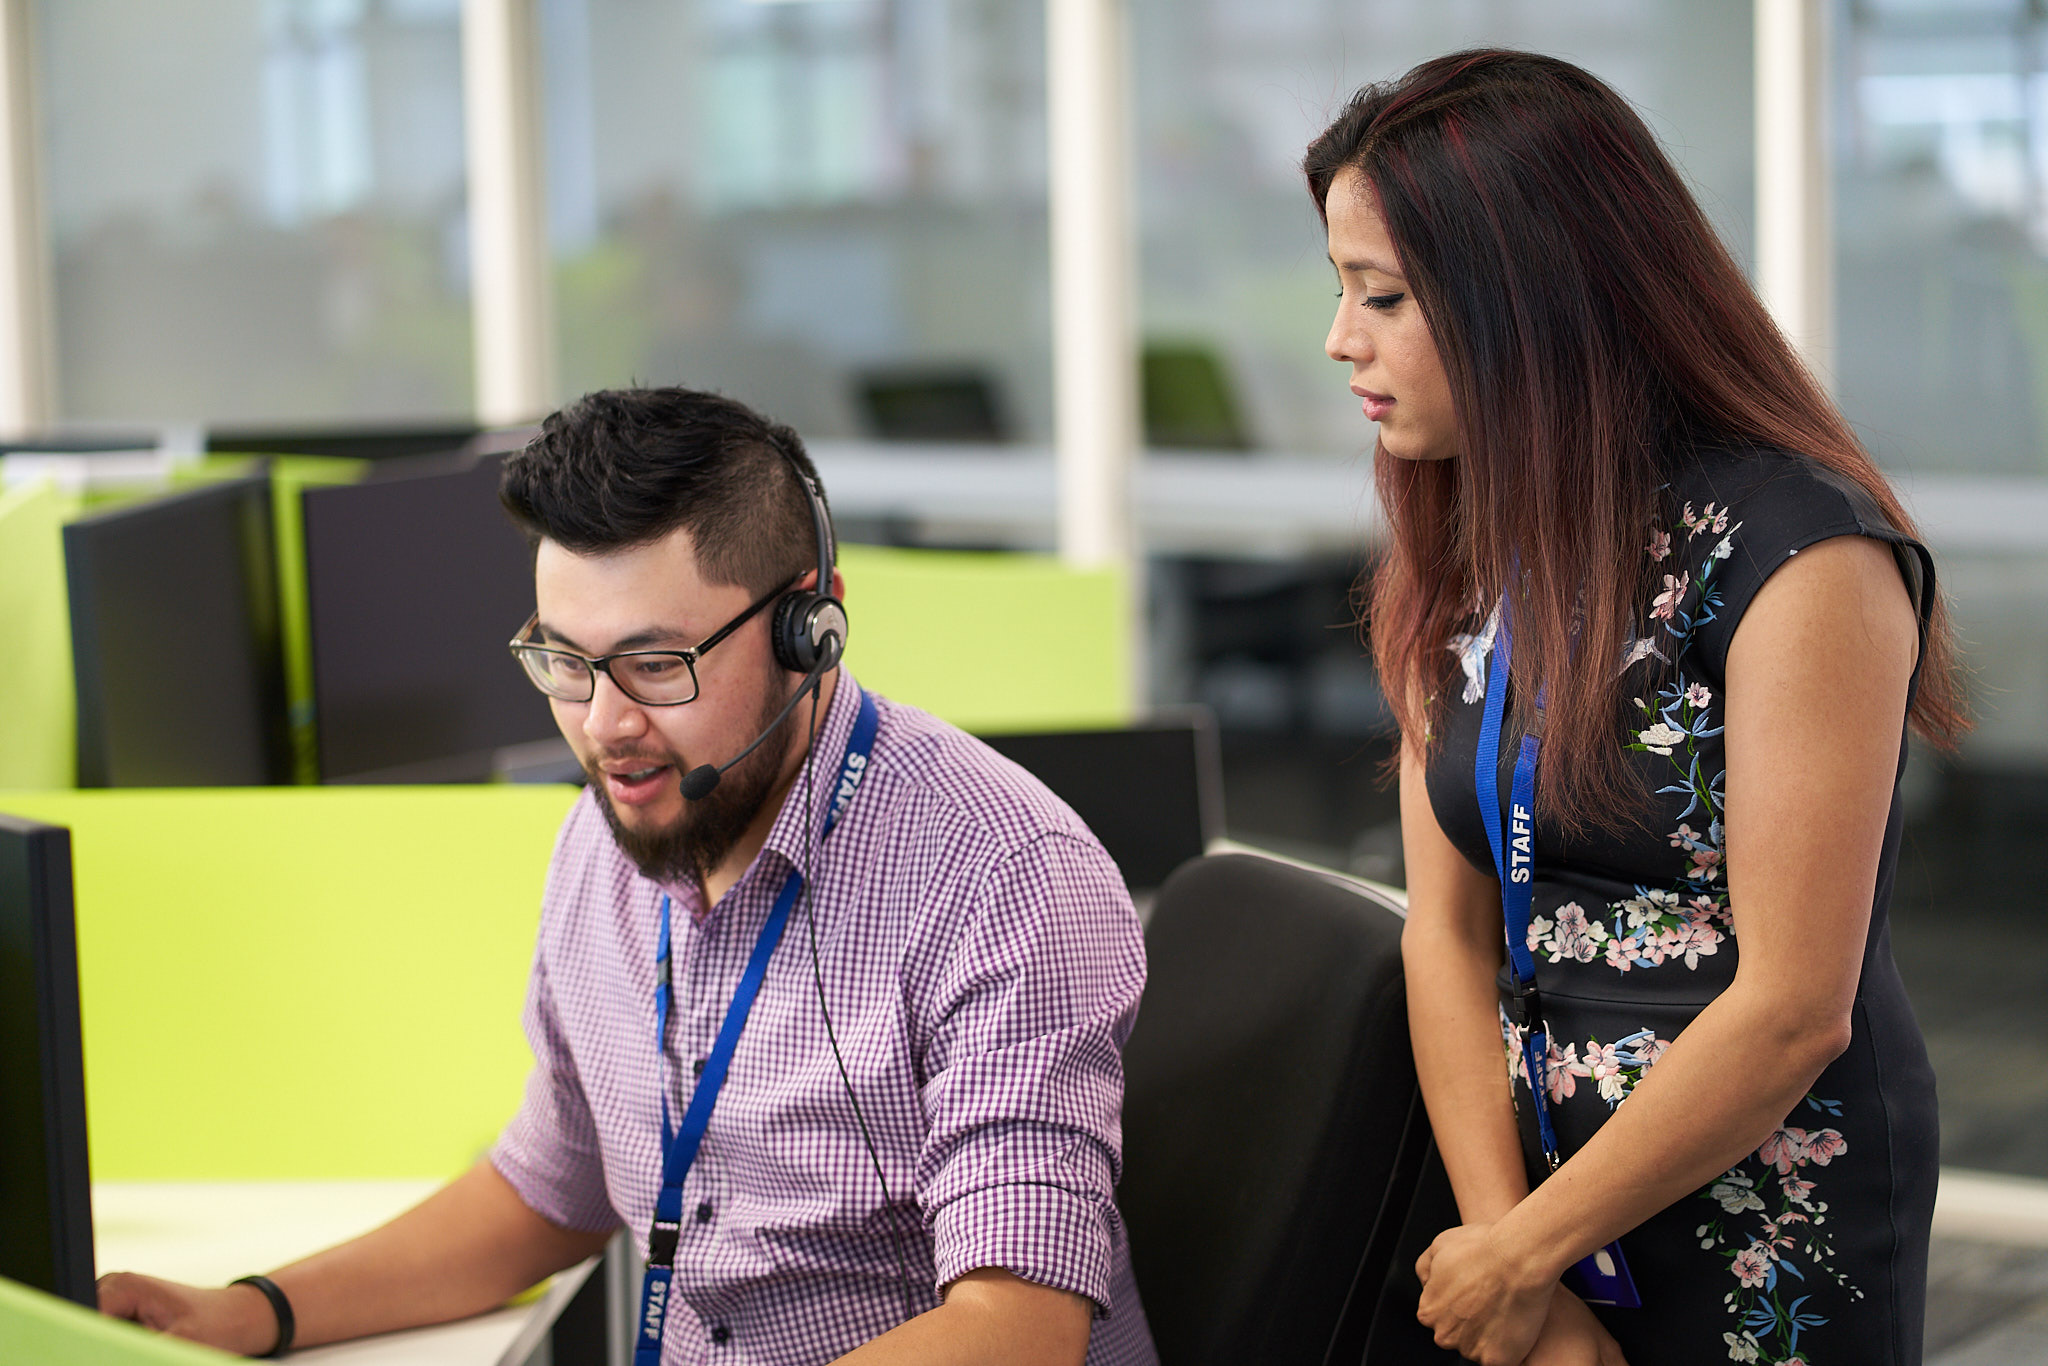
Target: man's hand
1572 1336
238 1319
1477 1300
465 1249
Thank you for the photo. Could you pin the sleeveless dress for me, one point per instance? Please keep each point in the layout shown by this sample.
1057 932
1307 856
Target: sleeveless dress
1813 1249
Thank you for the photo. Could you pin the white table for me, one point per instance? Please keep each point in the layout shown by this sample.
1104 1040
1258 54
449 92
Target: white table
208 1234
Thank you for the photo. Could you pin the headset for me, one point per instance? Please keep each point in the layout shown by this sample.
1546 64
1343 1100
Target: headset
807 634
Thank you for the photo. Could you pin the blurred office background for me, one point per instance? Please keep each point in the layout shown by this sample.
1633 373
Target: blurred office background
257 216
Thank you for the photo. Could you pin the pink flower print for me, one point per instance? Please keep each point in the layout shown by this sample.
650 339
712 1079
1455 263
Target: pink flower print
1577 937
1699 695
1660 544
1652 1049
1685 837
1701 941
1604 1068
1825 1146
1706 865
1784 1150
1512 1037
1563 1072
1618 955
1796 1190
1751 1265
1708 519
1674 593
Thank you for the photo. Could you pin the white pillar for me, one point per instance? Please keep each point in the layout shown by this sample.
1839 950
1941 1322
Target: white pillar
1795 259
27 391
1095 368
508 252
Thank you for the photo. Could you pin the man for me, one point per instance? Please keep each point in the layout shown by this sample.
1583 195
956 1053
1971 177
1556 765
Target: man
912 1153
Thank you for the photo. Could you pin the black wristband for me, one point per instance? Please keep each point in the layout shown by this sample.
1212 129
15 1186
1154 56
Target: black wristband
282 1307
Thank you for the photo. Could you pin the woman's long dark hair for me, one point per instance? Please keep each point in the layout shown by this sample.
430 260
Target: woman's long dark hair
1590 324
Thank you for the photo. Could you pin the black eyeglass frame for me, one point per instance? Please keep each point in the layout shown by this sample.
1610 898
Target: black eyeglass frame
521 647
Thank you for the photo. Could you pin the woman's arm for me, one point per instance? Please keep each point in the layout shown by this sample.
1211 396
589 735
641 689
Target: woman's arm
1451 948
1817 679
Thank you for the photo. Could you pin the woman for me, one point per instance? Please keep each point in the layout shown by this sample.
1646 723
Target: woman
1627 525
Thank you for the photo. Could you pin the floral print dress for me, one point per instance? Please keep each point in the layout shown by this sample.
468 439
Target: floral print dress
1813 1249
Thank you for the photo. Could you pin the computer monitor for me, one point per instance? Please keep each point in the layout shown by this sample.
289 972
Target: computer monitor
45 1183
175 641
359 443
1152 793
945 403
414 584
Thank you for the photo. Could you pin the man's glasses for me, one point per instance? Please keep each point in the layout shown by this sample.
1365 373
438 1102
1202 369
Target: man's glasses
653 678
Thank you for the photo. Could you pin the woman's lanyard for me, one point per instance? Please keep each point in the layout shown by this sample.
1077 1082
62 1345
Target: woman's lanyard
1602 1278
680 1148
1514 863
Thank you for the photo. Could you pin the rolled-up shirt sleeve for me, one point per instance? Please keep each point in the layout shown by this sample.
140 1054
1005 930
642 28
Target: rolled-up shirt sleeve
1021 1052
549 1151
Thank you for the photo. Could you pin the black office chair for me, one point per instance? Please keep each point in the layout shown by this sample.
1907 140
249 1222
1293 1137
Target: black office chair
1274 1137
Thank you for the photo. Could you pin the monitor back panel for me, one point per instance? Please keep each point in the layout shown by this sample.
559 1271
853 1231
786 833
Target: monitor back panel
175 641
414 585
45 1187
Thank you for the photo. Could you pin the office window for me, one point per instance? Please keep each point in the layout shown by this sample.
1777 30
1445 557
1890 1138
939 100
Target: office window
1228 94
835 210
256 209
1942 232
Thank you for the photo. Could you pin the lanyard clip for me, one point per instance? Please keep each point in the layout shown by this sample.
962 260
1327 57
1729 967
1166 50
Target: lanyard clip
1525 1005
661 1244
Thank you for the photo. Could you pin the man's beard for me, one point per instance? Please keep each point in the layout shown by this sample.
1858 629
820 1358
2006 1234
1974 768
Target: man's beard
700 838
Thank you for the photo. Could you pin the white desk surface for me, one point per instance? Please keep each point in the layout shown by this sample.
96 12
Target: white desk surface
208 1234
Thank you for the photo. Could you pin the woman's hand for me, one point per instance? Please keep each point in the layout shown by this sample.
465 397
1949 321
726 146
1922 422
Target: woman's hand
1477 1300
1572 1336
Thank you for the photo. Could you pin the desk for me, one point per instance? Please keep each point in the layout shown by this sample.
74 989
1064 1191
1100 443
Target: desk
208 1234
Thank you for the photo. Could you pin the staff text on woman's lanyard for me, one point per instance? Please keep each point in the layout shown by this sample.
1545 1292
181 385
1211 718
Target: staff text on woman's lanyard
680 1146
1603 1277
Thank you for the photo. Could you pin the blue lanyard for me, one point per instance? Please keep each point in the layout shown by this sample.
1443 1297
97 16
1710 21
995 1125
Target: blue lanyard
1514 863
1603 1277
680 1149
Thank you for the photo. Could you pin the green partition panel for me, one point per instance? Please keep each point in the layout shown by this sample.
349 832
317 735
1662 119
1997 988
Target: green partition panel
991 642
302 983
38 703
46 1331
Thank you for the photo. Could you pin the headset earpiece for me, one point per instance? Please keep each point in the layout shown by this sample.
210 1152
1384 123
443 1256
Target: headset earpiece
807 624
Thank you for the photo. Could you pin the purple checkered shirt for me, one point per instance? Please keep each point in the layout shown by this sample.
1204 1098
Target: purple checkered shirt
982 963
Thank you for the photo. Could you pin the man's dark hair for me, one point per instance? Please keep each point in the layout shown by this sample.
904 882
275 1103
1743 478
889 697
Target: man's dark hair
622 467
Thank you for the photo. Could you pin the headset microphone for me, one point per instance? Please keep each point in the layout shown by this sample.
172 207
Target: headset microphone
701 781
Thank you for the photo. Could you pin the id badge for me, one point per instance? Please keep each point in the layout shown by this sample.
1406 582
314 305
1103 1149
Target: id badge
1603 1279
